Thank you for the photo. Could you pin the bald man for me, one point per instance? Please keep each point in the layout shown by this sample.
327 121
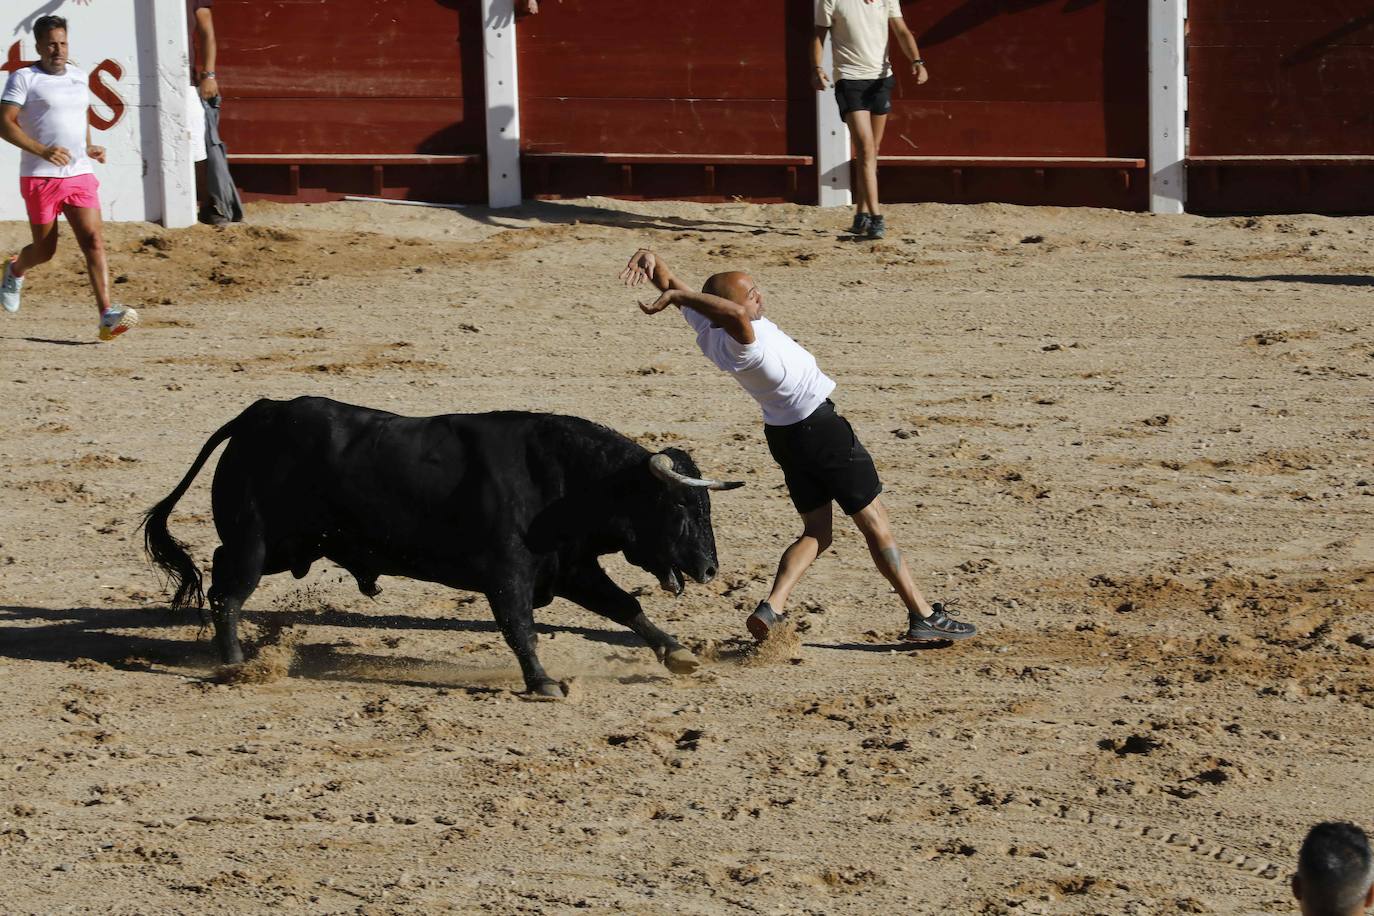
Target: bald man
821 458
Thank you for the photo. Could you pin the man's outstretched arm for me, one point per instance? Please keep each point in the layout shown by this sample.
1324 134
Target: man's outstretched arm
729 316
645 265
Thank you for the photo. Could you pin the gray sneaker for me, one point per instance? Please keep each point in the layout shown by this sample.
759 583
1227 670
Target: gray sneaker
877 227
860 224
938 627
763 620
9 289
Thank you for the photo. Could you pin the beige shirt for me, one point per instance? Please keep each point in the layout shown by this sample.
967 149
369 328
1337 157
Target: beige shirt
858 34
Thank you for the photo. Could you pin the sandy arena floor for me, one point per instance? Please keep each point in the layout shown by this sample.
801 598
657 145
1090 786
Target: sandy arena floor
1137 451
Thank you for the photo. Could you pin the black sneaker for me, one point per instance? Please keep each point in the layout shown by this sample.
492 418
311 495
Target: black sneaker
877 227
860 224
763 620
938 626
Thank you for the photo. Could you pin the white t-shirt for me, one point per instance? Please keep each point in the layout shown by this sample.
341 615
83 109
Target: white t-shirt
53 112
775 370
858 36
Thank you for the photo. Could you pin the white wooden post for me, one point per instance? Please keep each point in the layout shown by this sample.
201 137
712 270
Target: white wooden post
503 103
1168 104
832 144
172 75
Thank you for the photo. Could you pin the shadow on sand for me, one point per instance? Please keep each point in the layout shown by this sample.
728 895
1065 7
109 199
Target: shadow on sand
1319 279
103 635
882 647
561 213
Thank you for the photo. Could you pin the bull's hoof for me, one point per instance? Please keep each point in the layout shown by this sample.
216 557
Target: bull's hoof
681 661
370 589
232 655
544 692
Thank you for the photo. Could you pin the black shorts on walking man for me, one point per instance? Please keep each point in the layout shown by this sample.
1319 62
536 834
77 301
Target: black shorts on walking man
822 460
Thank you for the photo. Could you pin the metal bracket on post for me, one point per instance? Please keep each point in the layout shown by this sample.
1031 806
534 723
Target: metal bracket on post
1168 106
832 145
172 78
503 103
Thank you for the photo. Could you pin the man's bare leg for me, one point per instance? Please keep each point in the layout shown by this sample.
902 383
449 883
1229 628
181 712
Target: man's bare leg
866 156
879 125
40 250
817 529
877 531
88 229
925 622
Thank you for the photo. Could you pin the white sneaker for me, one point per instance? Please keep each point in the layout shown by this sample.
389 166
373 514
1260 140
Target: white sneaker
116 320
9 289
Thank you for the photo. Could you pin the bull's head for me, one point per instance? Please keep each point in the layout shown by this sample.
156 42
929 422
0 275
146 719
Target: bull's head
673 534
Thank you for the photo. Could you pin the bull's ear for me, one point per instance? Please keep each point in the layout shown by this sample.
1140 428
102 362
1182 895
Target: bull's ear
661 466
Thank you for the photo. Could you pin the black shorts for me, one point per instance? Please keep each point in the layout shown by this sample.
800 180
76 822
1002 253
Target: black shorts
865 95
822 460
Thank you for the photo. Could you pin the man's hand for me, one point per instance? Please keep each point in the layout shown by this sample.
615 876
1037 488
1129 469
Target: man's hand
641 268
662 302
919 71
209 88
97 153
819 79
57 155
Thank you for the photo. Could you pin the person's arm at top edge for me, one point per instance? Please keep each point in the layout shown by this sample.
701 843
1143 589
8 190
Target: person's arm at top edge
207 51
819 78
907 41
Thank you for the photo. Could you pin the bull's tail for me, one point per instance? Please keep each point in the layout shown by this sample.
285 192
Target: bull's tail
167 552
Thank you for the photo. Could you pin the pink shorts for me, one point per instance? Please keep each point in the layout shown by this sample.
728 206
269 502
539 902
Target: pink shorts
45 197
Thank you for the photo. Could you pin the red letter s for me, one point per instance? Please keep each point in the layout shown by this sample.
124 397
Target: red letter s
107 95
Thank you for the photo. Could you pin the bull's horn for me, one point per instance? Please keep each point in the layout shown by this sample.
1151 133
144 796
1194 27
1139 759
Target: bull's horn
661 466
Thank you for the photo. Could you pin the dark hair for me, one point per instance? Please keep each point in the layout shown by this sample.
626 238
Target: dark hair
46 24
1335 866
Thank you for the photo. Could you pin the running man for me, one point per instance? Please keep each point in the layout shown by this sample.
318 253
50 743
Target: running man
821 458
43 111
863 85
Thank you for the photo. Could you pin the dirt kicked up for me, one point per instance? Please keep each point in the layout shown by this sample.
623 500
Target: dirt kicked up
1136 450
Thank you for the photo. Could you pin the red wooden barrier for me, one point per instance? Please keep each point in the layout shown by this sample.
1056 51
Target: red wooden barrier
1024 78
707 78
358 78
1030 101
1278 91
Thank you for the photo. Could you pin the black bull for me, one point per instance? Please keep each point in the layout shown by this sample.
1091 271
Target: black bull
517 506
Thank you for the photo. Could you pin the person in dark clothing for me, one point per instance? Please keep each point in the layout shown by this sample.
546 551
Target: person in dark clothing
219 199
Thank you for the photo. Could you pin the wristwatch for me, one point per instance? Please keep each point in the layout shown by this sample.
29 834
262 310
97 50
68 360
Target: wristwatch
920 62
207 74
